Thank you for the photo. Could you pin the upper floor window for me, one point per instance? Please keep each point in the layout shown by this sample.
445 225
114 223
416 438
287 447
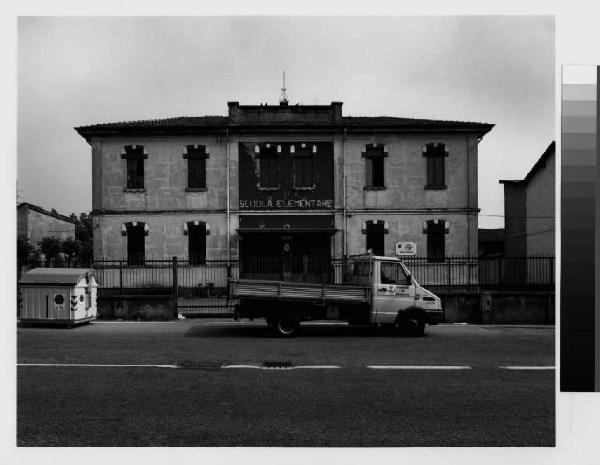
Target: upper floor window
303 163
134 156
435 155
269 165
374 155
436 240
196 156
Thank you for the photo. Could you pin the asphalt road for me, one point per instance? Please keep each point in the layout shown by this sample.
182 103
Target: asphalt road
204 383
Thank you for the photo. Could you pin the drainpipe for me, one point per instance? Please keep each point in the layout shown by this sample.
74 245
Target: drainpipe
228 212
468 197
345 204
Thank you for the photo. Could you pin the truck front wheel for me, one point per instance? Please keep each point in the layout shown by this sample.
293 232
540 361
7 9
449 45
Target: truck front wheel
411 324
287 324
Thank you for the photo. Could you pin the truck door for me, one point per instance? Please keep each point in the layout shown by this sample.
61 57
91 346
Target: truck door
392 292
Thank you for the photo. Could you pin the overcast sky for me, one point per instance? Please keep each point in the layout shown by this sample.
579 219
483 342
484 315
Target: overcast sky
78 71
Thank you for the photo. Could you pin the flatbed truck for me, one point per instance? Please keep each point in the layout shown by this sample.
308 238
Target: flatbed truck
376 290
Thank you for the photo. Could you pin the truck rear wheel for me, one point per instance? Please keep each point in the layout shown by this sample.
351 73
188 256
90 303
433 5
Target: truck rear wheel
287 324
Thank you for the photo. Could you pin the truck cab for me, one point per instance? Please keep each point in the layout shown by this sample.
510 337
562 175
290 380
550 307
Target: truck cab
396 297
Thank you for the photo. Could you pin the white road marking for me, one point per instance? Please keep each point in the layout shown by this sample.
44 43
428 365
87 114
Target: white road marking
223 322
300 367
528 368
115 322
419 367
103 365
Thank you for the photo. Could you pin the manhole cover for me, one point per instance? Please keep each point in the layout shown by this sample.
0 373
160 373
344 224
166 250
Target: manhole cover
205 366
277 364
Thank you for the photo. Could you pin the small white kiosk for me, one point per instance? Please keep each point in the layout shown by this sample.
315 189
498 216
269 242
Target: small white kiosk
58 295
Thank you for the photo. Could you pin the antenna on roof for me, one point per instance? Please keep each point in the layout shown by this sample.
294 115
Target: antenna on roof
283 100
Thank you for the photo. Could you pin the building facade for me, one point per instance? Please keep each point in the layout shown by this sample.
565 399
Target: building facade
529 210
292 184
35 223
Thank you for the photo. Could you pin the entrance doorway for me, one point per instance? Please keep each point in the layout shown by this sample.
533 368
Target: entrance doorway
302 257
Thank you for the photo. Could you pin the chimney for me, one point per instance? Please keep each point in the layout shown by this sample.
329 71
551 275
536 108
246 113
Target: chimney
336 113
234 112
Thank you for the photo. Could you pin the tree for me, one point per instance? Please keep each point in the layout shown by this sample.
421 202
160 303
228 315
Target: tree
50 247
71 248
83 235
83 229
24 249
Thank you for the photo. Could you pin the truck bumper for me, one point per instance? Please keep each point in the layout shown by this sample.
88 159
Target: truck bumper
435 316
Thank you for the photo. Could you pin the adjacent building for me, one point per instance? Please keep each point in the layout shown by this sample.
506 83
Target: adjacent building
293 184
491 242
529 209
35 223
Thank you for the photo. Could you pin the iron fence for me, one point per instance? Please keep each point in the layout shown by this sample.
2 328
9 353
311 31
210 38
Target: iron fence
209 279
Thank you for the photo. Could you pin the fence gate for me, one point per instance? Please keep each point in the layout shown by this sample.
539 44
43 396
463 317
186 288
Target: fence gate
201 288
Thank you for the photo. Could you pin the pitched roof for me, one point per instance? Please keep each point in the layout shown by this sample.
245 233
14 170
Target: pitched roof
176 122
221 123
396 122
541 163
38 209
69 276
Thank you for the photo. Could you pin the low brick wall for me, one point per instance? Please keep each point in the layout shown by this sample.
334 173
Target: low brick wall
515 307
459 308
135 307
489 307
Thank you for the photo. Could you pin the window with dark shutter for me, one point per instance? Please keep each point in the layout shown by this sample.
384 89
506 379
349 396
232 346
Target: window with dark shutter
436 241
374 157
375 237
303 168
436 159
269 167
196 158
134 156
136 244
197 243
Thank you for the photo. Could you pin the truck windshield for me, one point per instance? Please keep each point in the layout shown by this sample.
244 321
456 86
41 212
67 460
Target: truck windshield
393 273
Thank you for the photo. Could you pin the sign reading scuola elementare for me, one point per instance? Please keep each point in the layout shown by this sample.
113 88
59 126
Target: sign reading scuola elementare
287 204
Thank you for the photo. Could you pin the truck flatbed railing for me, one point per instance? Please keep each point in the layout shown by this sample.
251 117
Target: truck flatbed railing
289 290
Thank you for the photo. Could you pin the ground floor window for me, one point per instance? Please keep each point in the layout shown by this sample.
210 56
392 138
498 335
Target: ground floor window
436 241
376 237
197 243
136 243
